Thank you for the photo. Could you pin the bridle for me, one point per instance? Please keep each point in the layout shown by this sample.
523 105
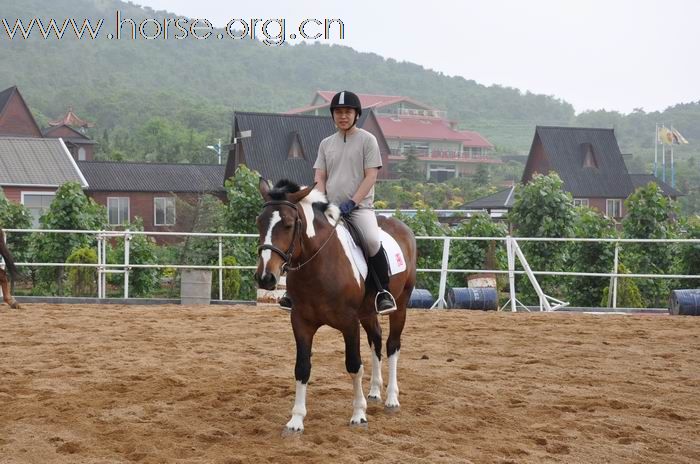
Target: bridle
287 255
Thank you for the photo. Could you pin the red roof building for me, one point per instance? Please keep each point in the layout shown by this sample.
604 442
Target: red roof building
411 127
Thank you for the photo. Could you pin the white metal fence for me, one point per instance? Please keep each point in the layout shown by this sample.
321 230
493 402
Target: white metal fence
512 246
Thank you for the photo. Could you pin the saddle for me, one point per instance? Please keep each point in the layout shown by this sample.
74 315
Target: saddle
355 242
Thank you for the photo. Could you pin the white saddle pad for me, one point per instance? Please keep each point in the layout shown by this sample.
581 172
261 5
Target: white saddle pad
397 263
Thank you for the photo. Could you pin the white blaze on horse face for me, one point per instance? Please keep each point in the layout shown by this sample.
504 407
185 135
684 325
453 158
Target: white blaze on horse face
296 423
267 254
308 209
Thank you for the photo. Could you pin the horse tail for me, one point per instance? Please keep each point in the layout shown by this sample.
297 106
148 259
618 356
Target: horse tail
7 256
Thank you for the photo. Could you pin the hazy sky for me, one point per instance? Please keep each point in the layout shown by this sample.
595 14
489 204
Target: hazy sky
612 54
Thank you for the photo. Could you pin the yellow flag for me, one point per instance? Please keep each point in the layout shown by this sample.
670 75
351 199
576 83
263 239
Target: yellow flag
665 136
678 138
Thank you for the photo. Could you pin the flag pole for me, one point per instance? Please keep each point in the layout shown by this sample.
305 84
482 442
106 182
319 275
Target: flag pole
663 161
656 150
673 171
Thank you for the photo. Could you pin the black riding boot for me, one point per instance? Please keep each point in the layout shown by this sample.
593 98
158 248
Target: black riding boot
384 302
285 302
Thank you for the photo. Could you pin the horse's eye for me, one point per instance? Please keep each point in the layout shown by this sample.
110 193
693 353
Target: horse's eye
288 226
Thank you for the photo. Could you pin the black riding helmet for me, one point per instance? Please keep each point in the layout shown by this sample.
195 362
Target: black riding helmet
347 99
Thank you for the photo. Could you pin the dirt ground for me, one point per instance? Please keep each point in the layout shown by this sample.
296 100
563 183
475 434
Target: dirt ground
213 384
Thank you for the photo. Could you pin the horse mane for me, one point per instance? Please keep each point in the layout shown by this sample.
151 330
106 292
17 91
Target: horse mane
317 199
282 188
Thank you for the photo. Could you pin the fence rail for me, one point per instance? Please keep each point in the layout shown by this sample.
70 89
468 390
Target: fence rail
512 246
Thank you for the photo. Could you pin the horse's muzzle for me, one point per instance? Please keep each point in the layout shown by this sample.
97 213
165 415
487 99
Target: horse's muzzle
267 281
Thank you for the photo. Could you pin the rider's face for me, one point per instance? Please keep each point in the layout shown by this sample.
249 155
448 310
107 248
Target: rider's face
344 118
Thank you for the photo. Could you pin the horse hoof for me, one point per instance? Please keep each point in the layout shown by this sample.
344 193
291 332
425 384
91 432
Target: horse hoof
392 409
374 399
361 424
15 305
288 432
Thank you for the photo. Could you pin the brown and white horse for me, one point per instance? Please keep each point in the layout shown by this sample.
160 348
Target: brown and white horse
11 269
298 231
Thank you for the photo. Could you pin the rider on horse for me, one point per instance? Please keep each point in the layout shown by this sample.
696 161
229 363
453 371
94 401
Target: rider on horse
346 170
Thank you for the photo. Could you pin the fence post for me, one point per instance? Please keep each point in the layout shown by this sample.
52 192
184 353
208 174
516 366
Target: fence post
443 271
614 285
99 264
511 272
127 241
221 270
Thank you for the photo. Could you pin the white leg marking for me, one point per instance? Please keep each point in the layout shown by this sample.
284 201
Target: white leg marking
359 403
376 383
392 389
296 423
267 254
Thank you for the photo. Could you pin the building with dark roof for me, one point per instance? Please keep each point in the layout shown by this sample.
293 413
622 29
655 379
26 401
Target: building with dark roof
589 162
32 169
16 119
285 146
154 192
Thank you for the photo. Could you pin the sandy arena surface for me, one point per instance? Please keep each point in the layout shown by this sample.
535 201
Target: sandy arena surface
213 384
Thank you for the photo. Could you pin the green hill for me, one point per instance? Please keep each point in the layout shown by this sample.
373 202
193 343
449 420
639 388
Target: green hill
167 99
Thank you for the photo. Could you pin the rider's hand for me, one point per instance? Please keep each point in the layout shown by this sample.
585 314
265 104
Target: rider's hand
346 207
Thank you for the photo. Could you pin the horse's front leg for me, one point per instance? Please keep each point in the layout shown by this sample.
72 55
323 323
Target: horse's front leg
5 284
353 363
374 336
303 334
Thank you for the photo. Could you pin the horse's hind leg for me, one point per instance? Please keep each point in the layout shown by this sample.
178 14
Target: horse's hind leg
6 291
397 320
304 335
374 336
353 363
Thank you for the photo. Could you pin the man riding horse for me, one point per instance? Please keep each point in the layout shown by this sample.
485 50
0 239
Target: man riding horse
346 170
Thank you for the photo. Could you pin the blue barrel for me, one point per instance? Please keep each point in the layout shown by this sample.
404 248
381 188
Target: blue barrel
420 298
685 302
485 299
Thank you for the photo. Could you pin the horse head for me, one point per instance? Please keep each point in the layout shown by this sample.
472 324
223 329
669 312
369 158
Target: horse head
280 227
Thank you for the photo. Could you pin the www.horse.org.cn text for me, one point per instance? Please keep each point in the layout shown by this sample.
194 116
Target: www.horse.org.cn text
271 31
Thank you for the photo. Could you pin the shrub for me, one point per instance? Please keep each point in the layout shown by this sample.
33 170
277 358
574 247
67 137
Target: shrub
82 281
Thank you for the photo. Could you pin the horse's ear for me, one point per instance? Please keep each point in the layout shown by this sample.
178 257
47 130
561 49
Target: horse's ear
296 197
264 187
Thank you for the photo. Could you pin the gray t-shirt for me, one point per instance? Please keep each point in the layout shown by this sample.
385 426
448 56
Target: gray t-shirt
345 164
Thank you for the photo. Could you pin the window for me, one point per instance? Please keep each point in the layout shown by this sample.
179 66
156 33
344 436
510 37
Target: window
81 154
37 203
164 211
118 210
613 208
581 202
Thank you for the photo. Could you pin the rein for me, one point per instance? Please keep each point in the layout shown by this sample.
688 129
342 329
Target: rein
287 256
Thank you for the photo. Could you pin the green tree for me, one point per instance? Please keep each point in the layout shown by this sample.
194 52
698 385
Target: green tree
15 216
409 168
689 262
425 224
650 214
70 210
82 281
244 205
543 209
590 257
142 250
466 254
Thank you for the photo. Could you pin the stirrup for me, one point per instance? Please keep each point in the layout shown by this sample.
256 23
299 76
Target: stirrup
285 303
388 310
